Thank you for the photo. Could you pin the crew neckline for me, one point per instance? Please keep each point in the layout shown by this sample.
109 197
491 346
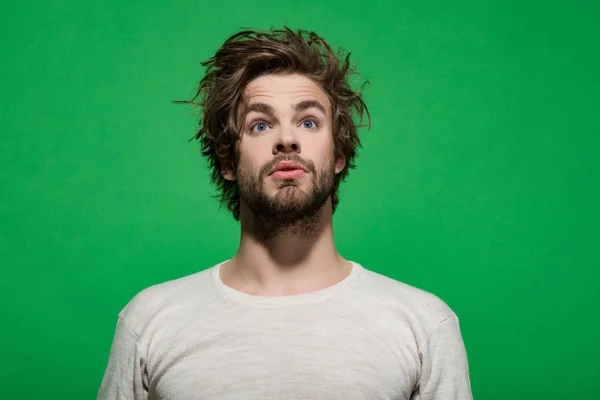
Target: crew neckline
296 299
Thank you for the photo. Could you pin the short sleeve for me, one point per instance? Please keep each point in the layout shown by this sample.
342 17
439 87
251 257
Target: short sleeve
124 377
445 370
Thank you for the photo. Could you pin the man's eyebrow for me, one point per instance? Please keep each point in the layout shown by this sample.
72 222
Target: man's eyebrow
260 108
305 105
264 108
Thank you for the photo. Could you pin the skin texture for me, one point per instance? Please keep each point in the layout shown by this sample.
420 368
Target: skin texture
286 244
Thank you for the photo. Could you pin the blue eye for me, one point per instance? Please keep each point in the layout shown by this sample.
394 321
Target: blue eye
309 124
260 127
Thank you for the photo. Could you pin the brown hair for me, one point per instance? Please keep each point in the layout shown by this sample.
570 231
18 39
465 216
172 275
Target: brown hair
251 53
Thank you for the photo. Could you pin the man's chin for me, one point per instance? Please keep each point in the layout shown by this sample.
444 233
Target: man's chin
289 199
285 189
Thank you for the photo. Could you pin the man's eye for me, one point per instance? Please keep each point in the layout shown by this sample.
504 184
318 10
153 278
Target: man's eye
309 124
260 127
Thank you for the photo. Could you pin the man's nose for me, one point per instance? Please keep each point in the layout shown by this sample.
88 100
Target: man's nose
287 142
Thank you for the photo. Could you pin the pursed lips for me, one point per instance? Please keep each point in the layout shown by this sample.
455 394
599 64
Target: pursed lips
288 170
288 166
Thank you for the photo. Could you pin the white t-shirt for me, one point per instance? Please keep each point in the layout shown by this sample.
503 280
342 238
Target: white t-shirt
366 337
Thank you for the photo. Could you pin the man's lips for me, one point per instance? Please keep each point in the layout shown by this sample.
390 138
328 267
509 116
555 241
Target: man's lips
288 174
287 166
288 170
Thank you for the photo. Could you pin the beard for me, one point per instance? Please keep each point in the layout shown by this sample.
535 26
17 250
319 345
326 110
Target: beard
291 209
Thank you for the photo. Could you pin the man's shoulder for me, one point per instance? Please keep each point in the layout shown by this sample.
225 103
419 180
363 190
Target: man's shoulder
171 295
413 302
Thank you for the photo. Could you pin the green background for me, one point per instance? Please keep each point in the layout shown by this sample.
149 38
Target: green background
478 181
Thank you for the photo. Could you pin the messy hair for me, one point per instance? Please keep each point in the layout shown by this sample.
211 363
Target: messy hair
249 54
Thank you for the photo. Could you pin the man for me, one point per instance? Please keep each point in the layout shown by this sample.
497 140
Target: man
287 317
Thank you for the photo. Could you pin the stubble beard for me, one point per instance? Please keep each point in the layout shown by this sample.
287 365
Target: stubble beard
291 211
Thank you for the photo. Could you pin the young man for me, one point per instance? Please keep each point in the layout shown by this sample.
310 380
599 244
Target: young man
287 317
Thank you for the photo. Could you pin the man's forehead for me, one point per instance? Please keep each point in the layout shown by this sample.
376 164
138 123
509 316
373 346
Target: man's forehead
291 89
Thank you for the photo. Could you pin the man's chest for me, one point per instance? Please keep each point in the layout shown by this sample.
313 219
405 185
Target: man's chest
287 359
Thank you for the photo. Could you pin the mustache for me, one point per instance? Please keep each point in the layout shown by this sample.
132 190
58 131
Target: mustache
268 167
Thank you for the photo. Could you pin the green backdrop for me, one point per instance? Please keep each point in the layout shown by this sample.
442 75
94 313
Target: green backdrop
478 181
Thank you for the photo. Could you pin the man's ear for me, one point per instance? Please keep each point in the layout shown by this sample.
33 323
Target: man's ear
340 164
228 172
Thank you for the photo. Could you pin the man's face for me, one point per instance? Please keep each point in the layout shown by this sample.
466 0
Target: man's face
287 118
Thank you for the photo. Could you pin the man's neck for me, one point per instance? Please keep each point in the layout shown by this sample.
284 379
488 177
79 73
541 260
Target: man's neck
296 260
